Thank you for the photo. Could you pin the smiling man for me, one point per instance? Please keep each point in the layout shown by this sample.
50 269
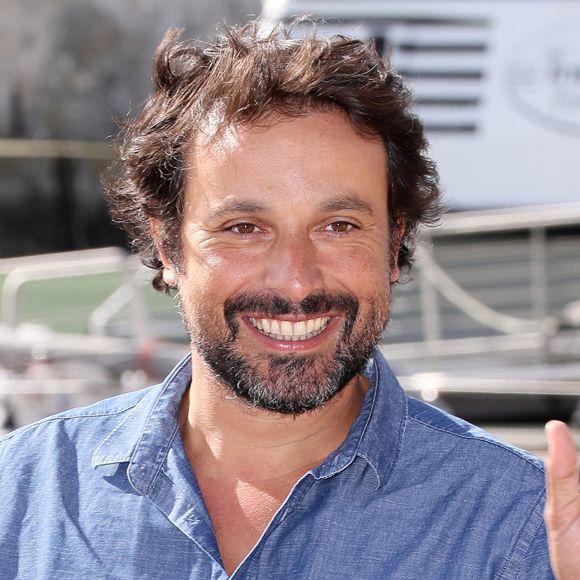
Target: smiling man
276 184
276 221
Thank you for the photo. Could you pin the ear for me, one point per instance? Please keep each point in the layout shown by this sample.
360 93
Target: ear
396 235
169 270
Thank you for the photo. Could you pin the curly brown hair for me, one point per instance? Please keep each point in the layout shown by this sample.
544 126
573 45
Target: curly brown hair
252 75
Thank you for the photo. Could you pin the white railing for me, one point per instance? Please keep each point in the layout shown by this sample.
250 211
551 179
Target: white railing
72 264
435 281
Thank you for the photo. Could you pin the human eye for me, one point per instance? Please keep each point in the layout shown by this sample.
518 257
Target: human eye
340 227
244 228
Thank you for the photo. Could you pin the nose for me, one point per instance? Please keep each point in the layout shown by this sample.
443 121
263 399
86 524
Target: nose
294 268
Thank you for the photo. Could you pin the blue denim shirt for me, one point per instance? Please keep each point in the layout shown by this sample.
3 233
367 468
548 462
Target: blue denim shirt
107 492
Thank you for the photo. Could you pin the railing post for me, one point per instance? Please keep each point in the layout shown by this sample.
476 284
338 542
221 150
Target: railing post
430 314
538 274
137 304
9 300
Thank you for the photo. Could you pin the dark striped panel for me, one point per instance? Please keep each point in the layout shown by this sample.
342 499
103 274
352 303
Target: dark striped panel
441 48
447 101
467 75
450 127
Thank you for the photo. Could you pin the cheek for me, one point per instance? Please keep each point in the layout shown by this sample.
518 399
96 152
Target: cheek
220 272
363 271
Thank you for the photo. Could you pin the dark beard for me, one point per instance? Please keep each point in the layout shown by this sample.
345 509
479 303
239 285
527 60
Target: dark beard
292 383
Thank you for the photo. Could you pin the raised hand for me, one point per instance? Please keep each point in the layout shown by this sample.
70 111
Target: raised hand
562 512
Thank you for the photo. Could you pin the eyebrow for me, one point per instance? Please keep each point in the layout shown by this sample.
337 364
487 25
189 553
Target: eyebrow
233 206
342 203
347 202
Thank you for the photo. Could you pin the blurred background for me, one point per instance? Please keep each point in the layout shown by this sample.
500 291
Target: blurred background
488 323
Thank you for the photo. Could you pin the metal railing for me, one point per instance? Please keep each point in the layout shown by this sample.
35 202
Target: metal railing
436 282
20 272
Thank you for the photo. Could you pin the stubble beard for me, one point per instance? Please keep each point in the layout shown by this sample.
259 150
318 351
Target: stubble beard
288 383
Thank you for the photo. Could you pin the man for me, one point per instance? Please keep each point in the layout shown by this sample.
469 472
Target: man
276 184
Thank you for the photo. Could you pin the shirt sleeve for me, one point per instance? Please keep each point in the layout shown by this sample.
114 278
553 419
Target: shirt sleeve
536 564
531 556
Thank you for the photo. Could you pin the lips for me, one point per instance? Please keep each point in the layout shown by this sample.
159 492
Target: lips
287 330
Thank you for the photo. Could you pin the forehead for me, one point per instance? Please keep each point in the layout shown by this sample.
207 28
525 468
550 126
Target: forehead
214 131
315 155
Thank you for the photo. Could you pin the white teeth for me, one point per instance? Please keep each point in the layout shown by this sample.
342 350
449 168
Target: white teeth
289 331
286 328
299 328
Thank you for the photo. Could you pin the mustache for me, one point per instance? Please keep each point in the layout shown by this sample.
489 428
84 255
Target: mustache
270 304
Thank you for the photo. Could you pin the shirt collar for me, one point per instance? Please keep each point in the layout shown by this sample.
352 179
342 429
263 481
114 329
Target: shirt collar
145 435
148 427
377 433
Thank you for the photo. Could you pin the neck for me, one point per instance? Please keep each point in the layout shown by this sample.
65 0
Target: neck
227 436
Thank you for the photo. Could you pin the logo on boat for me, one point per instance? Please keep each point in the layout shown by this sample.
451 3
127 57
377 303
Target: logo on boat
543 78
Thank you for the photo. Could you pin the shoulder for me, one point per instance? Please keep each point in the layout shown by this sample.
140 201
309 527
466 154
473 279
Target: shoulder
56 430
487 487
455 459
447 431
